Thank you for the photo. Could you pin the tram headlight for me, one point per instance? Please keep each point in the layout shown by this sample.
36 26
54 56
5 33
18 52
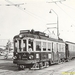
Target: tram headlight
20 36
15 57
31 57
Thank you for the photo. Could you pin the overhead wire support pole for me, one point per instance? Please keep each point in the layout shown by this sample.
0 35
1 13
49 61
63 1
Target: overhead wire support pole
57 22
57 16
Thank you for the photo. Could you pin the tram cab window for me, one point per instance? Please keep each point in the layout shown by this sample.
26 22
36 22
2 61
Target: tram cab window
15 45
19 45
30 45
44 46
38 46
24 45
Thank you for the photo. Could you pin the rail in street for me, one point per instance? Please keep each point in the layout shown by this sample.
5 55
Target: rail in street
8 68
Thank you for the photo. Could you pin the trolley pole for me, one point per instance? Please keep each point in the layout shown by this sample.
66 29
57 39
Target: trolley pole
56 23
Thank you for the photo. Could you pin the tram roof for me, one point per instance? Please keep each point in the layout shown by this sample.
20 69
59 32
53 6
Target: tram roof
70 42
37 35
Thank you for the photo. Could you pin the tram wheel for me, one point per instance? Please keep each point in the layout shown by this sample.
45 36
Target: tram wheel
59 61
47 64
41 65
36 66
21 67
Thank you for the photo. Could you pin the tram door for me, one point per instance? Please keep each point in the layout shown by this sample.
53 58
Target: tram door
55 52
67 51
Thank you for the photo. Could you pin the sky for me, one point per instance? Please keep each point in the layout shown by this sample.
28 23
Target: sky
34 14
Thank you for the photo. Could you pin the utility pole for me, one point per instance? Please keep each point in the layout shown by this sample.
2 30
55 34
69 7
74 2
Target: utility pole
56 23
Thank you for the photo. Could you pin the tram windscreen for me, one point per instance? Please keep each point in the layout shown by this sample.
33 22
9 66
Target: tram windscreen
24 45
30 45
15 45
20 45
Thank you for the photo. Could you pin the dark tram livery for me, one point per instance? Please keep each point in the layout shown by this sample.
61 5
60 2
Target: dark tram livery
35 50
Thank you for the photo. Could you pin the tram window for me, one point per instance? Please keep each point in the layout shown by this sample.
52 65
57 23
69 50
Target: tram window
20 45
60 47
38 46
30 44
55 47
15 45
49 46
44 46
24 45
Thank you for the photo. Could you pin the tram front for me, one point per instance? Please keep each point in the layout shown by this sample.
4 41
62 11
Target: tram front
23 51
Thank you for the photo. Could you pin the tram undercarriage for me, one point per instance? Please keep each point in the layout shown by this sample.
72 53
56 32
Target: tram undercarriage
37 65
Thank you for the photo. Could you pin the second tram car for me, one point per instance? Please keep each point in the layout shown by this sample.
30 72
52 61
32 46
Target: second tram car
35 50
70 50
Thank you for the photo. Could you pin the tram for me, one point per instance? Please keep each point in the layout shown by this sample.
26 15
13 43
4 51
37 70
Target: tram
35 50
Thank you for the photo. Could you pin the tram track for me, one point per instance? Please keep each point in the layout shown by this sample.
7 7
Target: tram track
8 72
54 71
51 70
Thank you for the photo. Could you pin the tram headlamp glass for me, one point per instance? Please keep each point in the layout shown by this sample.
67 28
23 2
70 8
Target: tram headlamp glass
20 36
31 57
15 57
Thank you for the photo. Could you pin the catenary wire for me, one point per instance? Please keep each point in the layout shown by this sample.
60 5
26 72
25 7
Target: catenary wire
28 12
65 12
68 6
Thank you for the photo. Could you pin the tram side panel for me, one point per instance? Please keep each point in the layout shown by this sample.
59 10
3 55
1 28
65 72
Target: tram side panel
70 50
55 52
49 52
66 51
45 50
61 51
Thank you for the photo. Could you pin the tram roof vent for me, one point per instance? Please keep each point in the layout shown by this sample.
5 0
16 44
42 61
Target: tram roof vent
39 33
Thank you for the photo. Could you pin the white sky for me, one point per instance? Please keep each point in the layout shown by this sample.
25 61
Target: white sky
36 16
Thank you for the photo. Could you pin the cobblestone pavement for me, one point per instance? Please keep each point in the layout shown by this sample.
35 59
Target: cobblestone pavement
8 68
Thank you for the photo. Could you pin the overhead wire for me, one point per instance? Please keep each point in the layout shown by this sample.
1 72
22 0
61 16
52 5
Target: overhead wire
28 12
68 6
63 9
65 12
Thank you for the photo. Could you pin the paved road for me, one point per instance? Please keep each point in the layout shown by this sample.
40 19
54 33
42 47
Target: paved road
8 68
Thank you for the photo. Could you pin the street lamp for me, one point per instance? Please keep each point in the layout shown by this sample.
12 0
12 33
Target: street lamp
57 22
